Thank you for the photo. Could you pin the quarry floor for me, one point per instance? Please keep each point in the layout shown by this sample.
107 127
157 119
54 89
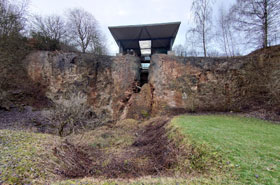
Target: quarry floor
31 119
131 152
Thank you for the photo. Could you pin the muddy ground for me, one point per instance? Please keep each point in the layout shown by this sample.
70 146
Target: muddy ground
22 119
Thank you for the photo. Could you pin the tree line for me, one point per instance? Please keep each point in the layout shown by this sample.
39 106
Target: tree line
77 30
246 24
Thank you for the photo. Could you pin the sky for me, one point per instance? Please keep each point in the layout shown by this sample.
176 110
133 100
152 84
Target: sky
126 12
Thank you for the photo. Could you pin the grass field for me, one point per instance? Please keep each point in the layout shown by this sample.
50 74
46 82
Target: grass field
250 146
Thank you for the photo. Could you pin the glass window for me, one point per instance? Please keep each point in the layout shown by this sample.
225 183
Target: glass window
145 65
146 51
147 58
145 44
145 47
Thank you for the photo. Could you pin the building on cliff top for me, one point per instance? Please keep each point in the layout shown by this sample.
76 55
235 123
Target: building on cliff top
145 40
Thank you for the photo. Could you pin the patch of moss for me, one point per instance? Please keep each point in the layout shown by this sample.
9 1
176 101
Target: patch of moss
145 113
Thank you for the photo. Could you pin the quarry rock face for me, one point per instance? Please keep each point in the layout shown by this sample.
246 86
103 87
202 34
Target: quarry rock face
126 77
175 84
108 82
140 104
209 84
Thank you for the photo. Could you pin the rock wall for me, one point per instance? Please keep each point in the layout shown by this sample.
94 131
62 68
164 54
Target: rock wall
175 84
213 84
140 104
126 77
108 82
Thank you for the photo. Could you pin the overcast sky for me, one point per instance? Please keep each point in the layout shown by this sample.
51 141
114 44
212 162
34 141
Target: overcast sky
126 12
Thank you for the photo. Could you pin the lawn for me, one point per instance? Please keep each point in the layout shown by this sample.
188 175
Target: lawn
251 147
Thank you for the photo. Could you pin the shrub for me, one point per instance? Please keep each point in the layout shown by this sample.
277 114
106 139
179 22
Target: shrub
70 114
42 42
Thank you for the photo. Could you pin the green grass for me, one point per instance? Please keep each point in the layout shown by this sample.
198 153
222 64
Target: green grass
21 157
250 146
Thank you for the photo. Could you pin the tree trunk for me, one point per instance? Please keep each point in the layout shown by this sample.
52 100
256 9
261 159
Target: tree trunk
265 42
83 48
204 42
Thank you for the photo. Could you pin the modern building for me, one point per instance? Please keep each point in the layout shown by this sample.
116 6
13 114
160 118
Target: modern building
145 40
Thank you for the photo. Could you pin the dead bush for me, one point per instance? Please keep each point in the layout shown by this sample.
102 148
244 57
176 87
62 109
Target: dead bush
70 114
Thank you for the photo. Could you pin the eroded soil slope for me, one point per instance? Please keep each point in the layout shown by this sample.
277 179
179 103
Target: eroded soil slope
130 151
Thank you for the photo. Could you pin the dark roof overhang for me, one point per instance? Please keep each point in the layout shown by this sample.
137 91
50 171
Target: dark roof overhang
162 35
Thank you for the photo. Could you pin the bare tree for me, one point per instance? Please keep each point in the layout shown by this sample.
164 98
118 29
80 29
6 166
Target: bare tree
258 19
98 44
180 50
225 33
53 27
12 17
202 10
191 43
12 25
12 48
83 28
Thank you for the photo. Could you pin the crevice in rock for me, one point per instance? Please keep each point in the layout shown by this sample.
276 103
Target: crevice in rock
136 88
144 74
144 71
140 103
152 95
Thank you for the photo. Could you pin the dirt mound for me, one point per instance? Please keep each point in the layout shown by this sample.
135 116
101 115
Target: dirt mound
151 153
